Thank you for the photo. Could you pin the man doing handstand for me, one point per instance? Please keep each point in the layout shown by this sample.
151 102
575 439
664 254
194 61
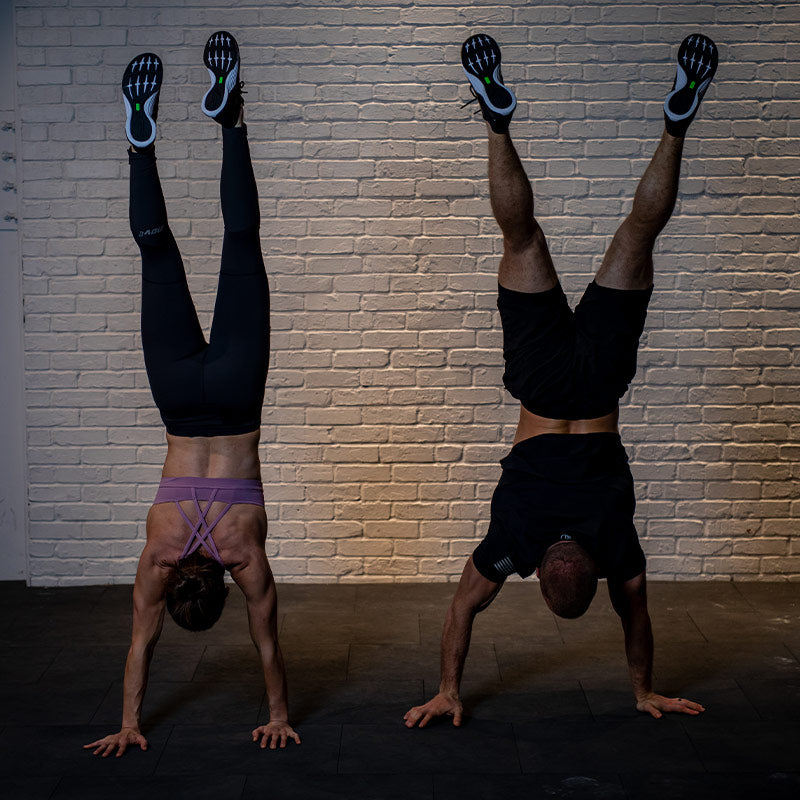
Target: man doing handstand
565 501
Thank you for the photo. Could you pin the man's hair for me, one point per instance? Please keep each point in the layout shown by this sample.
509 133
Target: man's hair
196 592
568 579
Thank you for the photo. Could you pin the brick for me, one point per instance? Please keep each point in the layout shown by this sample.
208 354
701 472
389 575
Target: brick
382 253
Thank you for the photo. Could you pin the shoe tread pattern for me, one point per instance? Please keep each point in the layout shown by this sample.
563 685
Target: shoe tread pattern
697 63
221 57
480 57
141 83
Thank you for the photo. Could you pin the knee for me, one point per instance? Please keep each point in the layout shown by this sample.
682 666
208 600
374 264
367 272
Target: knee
158 235
646 222
639 233
526 237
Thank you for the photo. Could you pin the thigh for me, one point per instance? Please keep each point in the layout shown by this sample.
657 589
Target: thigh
608 325
237 360
538 348
170 328
528 268
628 262
241 311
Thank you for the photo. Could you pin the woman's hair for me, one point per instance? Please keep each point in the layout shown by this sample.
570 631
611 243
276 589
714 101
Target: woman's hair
196 592
568 578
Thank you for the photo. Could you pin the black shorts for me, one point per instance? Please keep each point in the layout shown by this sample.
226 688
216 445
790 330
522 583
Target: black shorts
571 365
553 486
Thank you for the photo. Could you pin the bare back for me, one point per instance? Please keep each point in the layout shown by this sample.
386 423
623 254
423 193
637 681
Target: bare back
243 529
531 424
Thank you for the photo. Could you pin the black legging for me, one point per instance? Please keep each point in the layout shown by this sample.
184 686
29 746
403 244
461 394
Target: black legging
214 388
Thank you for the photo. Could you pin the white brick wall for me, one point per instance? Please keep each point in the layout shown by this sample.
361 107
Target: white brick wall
385 416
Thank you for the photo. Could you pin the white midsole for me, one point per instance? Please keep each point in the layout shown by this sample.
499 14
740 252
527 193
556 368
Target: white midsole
230 82
477 85
148 107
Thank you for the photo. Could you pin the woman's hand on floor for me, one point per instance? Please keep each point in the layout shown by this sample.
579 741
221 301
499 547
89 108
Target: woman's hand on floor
127 737
275 734
656 704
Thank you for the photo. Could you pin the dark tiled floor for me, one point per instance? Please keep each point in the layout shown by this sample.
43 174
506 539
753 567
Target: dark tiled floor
550 712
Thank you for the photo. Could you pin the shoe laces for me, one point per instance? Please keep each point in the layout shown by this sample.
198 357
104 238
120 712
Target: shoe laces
474 100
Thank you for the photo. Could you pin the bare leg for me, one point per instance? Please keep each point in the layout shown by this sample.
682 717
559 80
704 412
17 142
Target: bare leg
628 263
526 265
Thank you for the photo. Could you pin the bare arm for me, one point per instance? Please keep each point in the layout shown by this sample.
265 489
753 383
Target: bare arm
148 620
256 581
629 599
474 594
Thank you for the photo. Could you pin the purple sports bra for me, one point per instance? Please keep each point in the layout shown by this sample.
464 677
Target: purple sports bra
231 491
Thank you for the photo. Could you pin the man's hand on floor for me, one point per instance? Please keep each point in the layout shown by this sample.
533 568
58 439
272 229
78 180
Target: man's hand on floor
127 737
440 705
656 704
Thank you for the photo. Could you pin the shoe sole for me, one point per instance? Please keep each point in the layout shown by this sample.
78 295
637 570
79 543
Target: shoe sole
141 83
480 60
221 57
697 63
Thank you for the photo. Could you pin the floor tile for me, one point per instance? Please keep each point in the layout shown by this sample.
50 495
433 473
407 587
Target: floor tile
227 663
733 658
29 788
773 699
231 628
189 702
414 598
22 749
335 627
71 625
339 787
26 663
747 746
476 745
326 598
328 661
197 787
52 703
403 662
599 624
722 624
691 594
107 663
674 625
731 786
603 746
230 750
772 597
568 786
722 699
117 598
526 666
353 701
18 598
499 624
549 696
495 702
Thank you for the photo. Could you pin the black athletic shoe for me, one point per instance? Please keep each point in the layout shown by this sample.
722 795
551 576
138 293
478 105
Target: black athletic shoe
223 101
480 57
141 84
697 63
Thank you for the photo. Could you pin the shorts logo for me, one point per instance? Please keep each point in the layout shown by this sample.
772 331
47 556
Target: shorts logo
151 231
504 566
